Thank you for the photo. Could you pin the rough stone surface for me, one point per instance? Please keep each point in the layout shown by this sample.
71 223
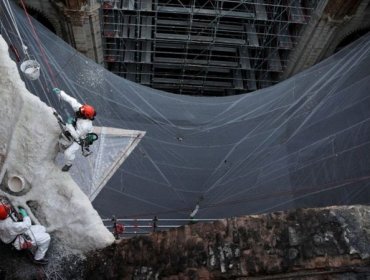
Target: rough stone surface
331 23
327 243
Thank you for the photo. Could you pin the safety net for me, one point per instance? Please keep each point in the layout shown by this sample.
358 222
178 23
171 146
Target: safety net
304 142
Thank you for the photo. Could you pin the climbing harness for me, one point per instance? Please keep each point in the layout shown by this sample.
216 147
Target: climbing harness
13 214
24 241
66 139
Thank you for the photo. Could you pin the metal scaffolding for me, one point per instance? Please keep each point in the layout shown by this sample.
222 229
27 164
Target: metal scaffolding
202 47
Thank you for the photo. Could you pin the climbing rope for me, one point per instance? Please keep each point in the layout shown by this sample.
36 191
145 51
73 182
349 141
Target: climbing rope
14 22
26 64
38 41
13 49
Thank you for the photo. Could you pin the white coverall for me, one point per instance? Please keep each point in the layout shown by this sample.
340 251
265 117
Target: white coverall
83 127
11 231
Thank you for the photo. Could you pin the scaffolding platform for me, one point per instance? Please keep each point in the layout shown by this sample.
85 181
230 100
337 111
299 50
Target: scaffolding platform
251 39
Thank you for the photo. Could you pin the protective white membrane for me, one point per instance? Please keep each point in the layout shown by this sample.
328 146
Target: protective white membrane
28 141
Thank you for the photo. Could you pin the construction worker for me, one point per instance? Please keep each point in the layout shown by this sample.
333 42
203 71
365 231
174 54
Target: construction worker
78 127
22 234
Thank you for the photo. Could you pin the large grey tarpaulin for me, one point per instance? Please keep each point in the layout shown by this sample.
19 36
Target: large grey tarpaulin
302 143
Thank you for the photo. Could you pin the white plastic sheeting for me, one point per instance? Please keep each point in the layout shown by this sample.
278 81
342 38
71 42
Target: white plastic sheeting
302 143
108 153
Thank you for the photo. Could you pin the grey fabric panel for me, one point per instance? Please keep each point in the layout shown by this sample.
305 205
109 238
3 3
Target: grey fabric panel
302 143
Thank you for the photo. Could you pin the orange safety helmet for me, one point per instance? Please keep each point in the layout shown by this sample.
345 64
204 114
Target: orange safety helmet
88 111
4 211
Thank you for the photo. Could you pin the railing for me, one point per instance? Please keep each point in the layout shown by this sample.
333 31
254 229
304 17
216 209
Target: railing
123 228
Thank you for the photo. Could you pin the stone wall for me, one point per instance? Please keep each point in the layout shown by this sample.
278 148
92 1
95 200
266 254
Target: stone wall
332 21
328 243
49 10
76 21
82 23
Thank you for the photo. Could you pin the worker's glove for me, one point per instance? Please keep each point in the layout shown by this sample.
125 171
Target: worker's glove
56 91
70 120
22 212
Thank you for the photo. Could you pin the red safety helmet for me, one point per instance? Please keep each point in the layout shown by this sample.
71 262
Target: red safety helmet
88 111
4 211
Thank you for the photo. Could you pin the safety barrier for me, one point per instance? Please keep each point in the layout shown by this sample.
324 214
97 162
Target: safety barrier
125 228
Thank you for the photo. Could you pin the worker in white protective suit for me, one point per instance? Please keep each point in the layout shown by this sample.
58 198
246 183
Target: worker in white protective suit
24 235
79 128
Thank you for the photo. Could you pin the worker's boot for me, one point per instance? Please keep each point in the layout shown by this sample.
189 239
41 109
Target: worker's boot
66 167
43 261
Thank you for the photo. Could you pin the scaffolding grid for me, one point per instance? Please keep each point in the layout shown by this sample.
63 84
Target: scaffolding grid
208 47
